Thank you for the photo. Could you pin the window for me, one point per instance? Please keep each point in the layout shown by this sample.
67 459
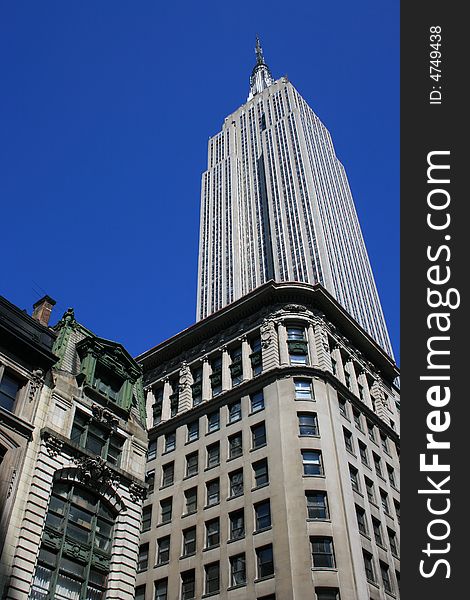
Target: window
391 476
157 407
193 431
235 445
369 566
196 388
308 424
258 436
357 419
143 558
238 570
397 510
216 376
260 471
189 541
213 455
174 402
392 536
377 465
212 578
370 490
384 443
150 481
166 510
262 515
354 477
334 367
385 572
168 474
161 589
236 366
377 527
265 562
255 356
190 498
361 520
384 501
371 431
343 407
236 483
213 421
212 533
317 505
170 441
188 585
152 450
139 593
192 464
146 518
303 389
361 391
82 518
363 453
98 439
348 440
327 593
297 346
322 552
213 492
312 462
163 550
347 379
237 525
257 401
234 412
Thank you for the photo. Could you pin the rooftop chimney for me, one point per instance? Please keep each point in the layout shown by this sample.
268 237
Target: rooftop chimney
42 310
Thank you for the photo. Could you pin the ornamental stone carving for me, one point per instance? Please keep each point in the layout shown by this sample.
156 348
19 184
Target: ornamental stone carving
94 472
137 492
35 383
103 416
185 377
268 332
53 445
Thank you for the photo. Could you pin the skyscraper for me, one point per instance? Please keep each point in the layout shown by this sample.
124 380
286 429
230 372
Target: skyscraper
276 204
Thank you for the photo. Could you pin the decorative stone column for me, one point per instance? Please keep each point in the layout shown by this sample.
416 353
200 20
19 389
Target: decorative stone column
322 345
226 378
312 347
336 354
378 398
282 341
246 363
362 379
206 385
349 367
185 393
166 410
269 345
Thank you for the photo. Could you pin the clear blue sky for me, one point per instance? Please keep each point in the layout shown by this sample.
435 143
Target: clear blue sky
105 112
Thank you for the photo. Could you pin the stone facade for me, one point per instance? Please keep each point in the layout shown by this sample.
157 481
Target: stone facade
273 462
75 519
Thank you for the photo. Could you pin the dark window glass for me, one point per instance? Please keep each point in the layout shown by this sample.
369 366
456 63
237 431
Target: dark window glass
163 553
263 515
212 533
303 389
166 510
236 483
188 585
190 497
161 589
260 470
361 520
265 561
192 464
213 492
193 431
317 505
170 441
235 445
234 412
168 474
213 455
369 566
258 435
308 424
237 525
322 552
143 558
312 462
213 421
257 401
212 578
146 518
189 541
237 570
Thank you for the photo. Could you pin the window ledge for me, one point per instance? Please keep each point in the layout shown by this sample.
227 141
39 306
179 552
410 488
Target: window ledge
258 487
183 556
162 564
258 447
168 451
264 578
210 594
358 493
231 541
262 530
236 587
210 433
191 441
211 505
308 435
234 457
164 487
331 569
214 547
189 476
255 412
212 467
193 512
318 476
236 496
309 520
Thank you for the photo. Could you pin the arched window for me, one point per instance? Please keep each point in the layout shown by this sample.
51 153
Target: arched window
74 558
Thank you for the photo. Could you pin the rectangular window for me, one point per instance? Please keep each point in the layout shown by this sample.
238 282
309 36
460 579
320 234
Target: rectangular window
343 407
213 455
234 412
216 376
357 419
213 421
392 536
371 431
238 570
190 497
369 566
347 379
258 436
377 527
370 490
265 562
361 391
391 476
174 402
363 453
297 346
237 525
361 520
327 593
348 440
170 441
354 477
260 472
262 515
322 552
139 593
308 424
192 464
189 541
317 505
236 366
384 443
188 585
143 558
236 483
377 464
334 367
193 431
235 445
397 510
257 401
166 510
168 474
312 462
146 518
303 389
213 492
150 481
212 578
161 589
163 550
255 356
385 572
98 439
152 450
212 533
384 501
196 388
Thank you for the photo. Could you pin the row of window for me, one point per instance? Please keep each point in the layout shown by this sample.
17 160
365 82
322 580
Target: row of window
371 495
377 530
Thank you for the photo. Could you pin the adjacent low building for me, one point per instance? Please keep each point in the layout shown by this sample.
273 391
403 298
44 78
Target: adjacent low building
273 458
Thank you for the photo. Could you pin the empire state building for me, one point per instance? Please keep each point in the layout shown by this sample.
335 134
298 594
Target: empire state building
276 204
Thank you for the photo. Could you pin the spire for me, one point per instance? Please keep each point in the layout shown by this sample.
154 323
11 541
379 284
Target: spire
261 76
